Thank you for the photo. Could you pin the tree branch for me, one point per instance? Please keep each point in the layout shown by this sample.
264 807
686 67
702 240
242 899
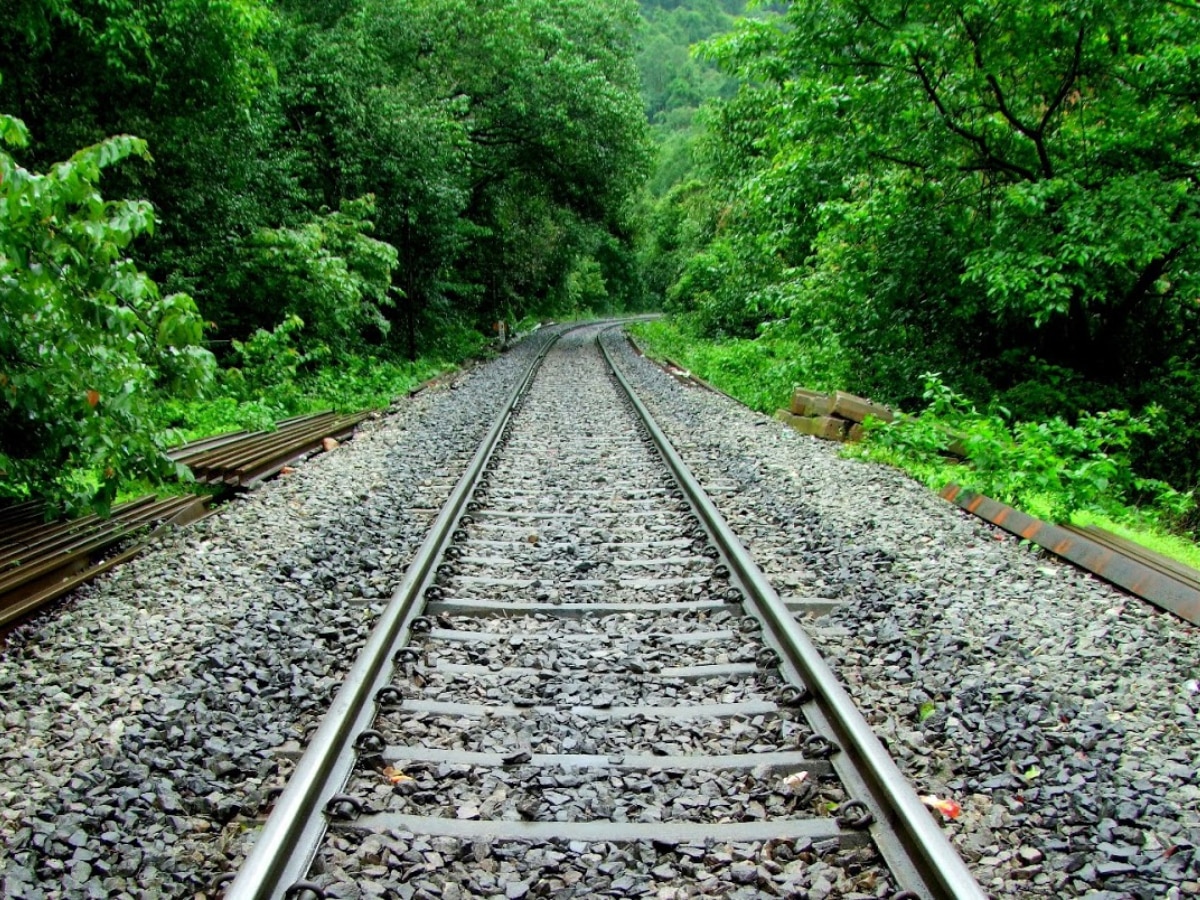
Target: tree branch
899 160
993 161
1009 115
866 14
1154 270
1068 81
1035 135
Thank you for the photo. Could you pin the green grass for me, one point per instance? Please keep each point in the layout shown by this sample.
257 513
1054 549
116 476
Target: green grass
255 398
1132 526
353 385
760 372
1147 535
366 383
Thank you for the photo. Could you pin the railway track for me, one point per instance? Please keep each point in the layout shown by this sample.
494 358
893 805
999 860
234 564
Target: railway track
583 686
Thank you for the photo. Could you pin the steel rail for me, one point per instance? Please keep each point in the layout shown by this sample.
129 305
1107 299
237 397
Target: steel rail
916 850
292 834
291 837
1162 582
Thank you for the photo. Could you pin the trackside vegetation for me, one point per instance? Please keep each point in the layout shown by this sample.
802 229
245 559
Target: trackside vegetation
1005 195
323 204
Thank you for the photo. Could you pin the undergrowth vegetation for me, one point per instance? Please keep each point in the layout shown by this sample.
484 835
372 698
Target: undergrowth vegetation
397 175
1051 468
757 371
1079 471
276 374
359 383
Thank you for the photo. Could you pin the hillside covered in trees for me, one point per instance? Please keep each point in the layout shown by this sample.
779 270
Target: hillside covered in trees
1006 195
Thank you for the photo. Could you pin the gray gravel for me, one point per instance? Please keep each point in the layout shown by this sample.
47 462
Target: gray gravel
452 869
1062 714
142 715
513 793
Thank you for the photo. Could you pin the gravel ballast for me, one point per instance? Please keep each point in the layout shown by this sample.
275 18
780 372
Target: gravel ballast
143 718
1062 714
699 780
142 715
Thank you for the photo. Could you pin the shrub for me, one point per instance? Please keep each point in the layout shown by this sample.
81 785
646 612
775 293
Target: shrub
1049 465
85 337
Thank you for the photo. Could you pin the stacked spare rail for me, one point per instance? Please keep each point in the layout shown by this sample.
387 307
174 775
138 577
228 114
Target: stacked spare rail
838 416
243 459
583 686
42 560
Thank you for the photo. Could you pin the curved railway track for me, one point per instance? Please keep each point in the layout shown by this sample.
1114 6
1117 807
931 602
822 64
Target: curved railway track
584 686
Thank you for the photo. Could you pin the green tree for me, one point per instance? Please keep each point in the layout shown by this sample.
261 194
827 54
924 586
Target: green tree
554 117
1051 143
1003 193
85 337
193 78
365 119
450 112
328 272
496 136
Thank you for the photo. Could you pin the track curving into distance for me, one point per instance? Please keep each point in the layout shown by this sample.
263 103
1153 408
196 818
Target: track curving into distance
584 686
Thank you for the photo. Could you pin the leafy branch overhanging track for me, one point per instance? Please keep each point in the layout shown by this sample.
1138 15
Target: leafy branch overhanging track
568 550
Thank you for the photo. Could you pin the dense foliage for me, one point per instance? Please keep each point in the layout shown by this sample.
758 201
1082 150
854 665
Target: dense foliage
367 178
85 337
1002 193
500 141
1051 467
849 193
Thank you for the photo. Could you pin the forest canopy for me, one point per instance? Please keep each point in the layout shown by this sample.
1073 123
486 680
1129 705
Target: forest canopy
1005 194
357 176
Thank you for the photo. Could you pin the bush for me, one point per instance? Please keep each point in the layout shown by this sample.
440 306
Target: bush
328 272
266 365
85 337
1048 467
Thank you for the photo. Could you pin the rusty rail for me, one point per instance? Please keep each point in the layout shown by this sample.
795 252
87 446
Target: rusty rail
1163 582
41 561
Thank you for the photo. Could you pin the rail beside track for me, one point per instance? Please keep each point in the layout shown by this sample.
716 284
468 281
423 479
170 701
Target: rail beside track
242 459
1164 582
41 561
